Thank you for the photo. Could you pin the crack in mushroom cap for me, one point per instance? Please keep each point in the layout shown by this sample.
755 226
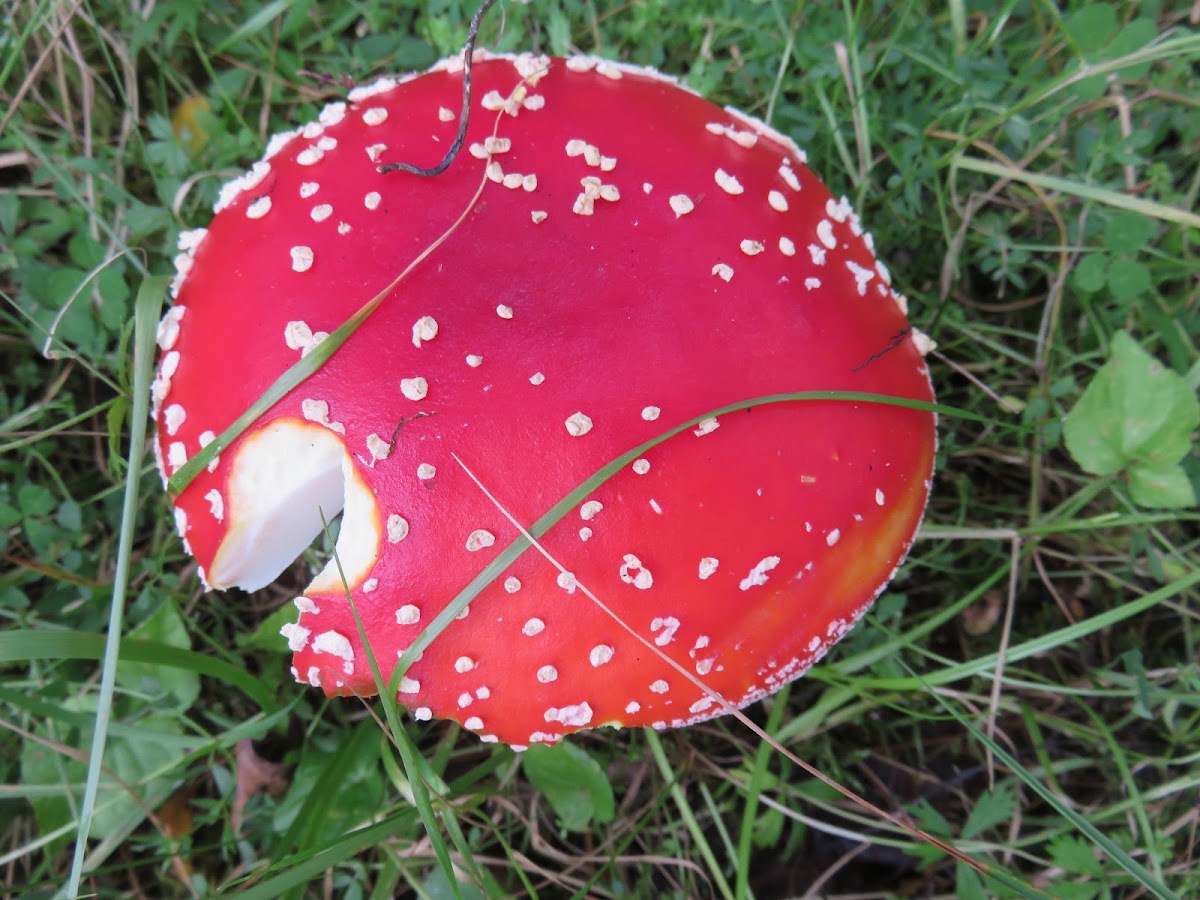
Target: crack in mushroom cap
619 312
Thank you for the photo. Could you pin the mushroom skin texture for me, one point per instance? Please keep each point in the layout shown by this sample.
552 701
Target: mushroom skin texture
638 257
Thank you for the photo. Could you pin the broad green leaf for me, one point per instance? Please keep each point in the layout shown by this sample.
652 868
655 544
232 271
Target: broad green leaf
69 515
1075 890
113 309
438 887
993 808
768 828
266 636
1091 26
968 884
1128 232
1163 485
84 251
1131 38
558 29
929 818
572 782
141 762
1134 409
41 765
1193 376
164 626
35 500
332 791
1128 279
10 209
1091 274
1076 855
1089 90
255 25
9 516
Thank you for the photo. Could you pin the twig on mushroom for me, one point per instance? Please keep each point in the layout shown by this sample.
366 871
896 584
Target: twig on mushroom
464 119
896 341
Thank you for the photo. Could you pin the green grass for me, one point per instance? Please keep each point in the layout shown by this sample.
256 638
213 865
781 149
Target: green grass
1027 691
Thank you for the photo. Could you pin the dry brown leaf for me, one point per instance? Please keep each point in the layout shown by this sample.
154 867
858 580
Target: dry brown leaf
254 774
981 616
174 820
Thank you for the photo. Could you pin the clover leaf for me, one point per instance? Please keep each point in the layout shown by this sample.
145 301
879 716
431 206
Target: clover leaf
1136 417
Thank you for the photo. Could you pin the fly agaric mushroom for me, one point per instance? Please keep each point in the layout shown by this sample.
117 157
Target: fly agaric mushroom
638 257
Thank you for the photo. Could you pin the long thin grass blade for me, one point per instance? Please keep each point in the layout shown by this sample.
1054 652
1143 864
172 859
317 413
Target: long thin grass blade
1094 834
146 310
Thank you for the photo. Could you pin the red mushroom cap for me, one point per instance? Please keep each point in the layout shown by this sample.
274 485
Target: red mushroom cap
637 258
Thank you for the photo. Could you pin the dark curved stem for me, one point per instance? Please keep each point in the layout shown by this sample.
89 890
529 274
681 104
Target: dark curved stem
463 119
897 340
